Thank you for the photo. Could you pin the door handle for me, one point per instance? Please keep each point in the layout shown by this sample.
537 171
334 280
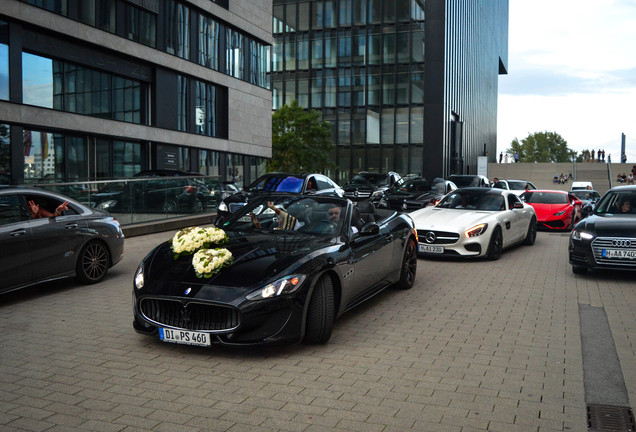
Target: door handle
18 232
71 226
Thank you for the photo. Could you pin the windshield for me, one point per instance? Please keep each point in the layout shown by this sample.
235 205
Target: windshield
617 202
473 200
519 185
438 186
585 195
544 198
414 185
464 181
313 215
277 183
368 178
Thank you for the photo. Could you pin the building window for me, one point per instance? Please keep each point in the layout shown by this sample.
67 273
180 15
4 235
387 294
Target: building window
206 109
5 154
98 13
209 163
37 80
43 156
182 103
141 26
234 57
56 6
4 61
126 159
178 29
208 42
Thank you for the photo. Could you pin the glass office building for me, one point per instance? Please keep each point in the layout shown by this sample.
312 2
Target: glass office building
99 89
407 85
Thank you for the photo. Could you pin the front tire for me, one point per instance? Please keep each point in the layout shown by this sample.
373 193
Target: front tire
409 267
531 236
92 263
495 246
579 269
320 313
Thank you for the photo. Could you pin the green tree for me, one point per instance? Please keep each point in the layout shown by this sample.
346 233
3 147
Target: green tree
301 141
542 147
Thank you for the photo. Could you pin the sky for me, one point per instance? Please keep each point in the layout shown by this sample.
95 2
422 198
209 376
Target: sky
571 70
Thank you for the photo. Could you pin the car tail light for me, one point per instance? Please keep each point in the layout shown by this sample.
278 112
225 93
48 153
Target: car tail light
190 189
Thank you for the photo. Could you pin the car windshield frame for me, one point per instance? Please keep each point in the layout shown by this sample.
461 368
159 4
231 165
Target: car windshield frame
518 185
409 185
609 203
310 215
473 200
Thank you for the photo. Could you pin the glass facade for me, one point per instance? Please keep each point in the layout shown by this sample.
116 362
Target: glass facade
354 60
4 60
365 64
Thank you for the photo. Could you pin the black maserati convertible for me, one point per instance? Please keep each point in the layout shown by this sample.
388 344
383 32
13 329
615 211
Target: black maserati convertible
284 268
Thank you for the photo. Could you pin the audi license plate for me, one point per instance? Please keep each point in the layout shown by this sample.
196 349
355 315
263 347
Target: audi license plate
619 253
184 337
431 249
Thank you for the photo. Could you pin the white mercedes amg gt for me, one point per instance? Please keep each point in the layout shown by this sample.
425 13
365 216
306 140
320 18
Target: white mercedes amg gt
475 222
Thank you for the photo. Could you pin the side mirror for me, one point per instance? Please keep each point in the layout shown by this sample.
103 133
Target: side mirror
370 228
518 205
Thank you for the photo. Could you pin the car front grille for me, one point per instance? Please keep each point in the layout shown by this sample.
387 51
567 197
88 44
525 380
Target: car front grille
441 237
189 316
614 243
358 194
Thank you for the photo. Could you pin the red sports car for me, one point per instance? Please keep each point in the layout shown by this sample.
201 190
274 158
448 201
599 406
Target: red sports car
556 210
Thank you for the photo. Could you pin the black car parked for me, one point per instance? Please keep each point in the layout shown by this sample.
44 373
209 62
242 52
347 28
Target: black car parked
165 191
606 239
80 241
314 183
415 193
284 285
366 185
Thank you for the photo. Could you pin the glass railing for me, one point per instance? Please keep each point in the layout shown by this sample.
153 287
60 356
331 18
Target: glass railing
142 200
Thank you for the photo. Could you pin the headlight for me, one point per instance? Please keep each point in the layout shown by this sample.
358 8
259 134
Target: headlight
105 205
223 206
476 230
377 194
560 213
286 285
582 235
139 277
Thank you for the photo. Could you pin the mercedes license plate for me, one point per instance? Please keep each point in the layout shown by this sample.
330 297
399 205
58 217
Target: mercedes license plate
619 253
431 249
184 337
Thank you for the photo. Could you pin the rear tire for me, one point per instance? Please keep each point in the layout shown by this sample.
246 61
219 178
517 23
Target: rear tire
495 246
531 236
93 263
409 267
320 313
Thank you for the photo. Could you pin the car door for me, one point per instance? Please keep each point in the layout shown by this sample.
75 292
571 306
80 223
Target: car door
15 242
55 243
519 218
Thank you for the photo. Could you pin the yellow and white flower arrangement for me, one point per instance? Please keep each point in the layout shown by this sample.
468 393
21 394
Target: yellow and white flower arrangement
191 239
208 262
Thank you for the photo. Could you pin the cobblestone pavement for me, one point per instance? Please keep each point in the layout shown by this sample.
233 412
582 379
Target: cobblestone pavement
474 346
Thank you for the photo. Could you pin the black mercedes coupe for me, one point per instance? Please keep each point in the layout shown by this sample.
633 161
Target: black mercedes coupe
607 238
288 267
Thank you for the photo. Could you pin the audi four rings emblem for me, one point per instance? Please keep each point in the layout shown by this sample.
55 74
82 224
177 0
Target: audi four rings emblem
430 237
621 243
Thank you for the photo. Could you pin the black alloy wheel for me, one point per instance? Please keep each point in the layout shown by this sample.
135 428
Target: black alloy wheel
409 266
531 236
496 245
320 314
92 263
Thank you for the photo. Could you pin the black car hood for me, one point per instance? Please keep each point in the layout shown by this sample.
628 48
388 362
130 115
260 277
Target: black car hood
610 225
401 196
259 258
362 187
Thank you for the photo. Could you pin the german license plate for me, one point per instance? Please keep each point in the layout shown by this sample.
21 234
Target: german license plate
431 249
184 337
619 253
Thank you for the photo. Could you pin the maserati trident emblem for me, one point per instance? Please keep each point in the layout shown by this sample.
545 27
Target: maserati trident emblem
430 237
188 291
